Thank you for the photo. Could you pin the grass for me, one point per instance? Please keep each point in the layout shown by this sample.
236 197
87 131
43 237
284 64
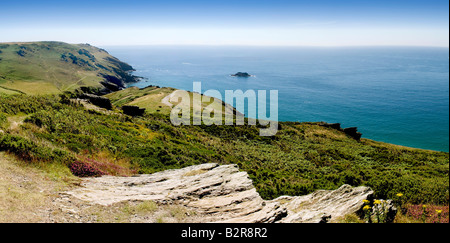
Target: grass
152 101
425 214
26 189
3 121
414 214
300 159
7 91
150 98
53 67
37 87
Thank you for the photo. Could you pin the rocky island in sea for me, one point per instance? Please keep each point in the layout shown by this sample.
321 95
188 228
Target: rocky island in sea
241 74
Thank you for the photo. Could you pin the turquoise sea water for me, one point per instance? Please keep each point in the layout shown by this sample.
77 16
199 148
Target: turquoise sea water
398 95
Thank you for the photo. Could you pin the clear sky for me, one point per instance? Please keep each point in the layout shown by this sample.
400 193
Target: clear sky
228 22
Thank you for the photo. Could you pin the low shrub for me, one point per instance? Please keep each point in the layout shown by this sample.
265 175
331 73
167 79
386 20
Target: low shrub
108 167
428 213
3 120
31 151
85 169
301 158
13 104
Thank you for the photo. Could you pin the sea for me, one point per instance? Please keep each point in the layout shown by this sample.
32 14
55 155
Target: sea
397 95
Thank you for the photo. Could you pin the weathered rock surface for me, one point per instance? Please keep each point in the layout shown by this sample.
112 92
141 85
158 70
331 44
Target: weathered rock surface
221 193
99 101
323 206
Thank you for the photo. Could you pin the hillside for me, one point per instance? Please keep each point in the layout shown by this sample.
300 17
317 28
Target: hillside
54 67
152 99
300 159
67 137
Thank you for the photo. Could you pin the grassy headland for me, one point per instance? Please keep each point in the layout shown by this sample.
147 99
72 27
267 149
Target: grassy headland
54 67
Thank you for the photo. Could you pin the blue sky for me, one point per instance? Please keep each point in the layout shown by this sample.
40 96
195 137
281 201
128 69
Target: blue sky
230 22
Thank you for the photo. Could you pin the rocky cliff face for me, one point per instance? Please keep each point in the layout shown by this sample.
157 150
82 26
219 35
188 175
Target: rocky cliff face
221 193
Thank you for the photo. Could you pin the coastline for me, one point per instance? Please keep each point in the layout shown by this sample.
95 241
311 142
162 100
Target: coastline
381 111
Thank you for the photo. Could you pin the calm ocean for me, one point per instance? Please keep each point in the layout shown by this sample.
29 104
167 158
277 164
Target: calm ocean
397 95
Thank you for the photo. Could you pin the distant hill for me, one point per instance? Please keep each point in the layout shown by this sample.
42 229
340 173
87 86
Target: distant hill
54 67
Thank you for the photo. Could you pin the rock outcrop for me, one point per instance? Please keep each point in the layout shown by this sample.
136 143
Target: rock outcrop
132 110
336 126
350 131
221 193
323 206
99 101
241 74
353 132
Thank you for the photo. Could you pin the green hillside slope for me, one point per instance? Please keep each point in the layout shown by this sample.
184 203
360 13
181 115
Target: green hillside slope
53 67
300 159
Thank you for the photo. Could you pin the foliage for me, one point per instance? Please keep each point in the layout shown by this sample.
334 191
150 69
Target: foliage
31 151
300 159
14 104
84 169
3 120
106 166
428 213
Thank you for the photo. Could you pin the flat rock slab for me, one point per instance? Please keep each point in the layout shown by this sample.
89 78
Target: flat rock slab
221 193
323 206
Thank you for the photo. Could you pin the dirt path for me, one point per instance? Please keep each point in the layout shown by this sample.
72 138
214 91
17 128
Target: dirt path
38 194
25 192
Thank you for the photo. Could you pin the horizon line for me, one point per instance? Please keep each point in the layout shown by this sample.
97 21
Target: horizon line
229 45
250 45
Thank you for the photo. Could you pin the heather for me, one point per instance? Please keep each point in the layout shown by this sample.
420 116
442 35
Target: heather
83 169
428 213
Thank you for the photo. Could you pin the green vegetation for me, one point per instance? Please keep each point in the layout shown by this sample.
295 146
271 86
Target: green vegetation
3 120
148 98
300 159
53 67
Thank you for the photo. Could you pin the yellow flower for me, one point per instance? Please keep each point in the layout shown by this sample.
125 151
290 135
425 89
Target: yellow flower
366 201
424 206
439 211
399 194
367 207
377 202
